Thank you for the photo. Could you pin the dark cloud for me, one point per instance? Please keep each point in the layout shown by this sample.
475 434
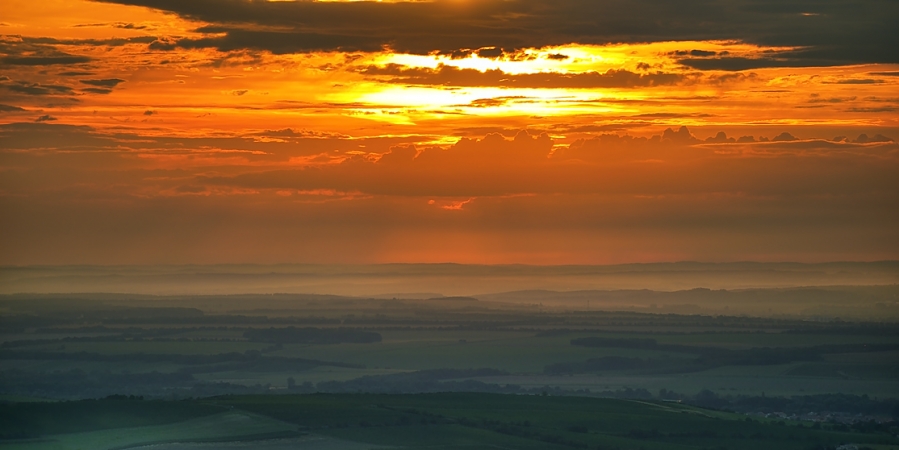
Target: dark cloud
97 91
42 51
878 109
45 118
122 25
71 138
858 81
454 76
816 99
840 32
784 137
491 53
28 51
130 26
108 82
720 138
42 60
10 108
274 41
22 87
701 53
110 42
495 101
696 53
864 139
739 63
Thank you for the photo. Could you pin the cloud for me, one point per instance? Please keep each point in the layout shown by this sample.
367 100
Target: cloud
445 75
29 51
10 108
80 192
22 87
838 34
816 99
864 139
108 82
122 25
741 63
720 138
289 143
673 163
45 118
48 43
100 91
43 60
878 109
457 205
857 81
784 137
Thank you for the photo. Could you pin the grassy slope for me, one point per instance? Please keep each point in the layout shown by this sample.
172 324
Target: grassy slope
226 426
523 353
534 422
444 421
47 418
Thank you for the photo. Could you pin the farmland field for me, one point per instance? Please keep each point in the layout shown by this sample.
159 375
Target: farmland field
220 427
457 420
451 373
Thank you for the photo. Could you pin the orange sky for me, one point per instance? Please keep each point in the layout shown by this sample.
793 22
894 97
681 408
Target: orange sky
476 131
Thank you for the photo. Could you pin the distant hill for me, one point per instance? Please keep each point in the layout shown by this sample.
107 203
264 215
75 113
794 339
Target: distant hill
436 280
823 301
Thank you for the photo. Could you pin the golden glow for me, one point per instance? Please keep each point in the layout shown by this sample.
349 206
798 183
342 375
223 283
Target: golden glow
466 152
204 89
580 58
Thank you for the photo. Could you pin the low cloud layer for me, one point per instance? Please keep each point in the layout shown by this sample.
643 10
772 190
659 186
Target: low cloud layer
831 32
605 198
453 76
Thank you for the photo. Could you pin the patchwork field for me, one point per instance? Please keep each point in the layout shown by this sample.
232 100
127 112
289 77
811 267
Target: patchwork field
483 375
442 421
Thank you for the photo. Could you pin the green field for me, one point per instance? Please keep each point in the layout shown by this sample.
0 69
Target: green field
181 348
152 347
308 442
227 426
514 421
442 421
525 352
522 354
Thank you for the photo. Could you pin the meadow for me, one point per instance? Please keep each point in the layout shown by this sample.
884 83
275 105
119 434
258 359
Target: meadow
443 421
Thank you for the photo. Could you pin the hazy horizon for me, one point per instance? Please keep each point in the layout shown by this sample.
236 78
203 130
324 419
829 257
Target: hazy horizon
440 279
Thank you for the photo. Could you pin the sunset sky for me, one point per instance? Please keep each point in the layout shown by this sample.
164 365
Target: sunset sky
470 131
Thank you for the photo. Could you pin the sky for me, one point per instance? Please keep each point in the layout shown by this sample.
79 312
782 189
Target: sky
468 131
